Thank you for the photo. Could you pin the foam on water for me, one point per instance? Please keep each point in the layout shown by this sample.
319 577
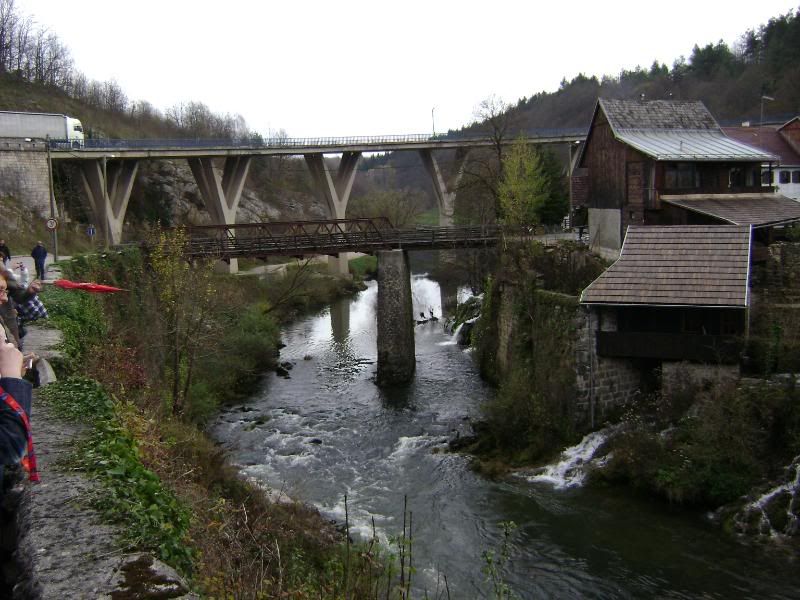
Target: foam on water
407 446
572 467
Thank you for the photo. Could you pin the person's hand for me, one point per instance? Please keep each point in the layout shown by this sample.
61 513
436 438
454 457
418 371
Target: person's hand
35 287
10 361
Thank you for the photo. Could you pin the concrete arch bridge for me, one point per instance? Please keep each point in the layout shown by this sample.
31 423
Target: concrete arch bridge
108 169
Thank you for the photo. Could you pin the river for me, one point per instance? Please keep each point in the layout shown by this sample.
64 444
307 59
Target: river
328 431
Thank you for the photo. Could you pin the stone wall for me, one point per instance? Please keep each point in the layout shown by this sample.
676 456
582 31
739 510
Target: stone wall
603 384
506 324
677 376
24 174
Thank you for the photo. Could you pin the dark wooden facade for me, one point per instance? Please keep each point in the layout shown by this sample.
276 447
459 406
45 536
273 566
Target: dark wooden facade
695 334
612 174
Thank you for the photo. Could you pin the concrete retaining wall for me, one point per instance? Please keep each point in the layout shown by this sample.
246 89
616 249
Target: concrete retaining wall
24 174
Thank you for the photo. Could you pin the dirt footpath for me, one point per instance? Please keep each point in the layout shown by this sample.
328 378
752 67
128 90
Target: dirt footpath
63 549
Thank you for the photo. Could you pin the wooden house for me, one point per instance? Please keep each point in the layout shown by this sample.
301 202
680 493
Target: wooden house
637 152
677 296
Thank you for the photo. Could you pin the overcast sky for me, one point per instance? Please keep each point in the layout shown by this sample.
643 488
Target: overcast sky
353 67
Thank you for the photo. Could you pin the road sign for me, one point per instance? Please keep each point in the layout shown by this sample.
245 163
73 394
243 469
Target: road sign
52 224
90 231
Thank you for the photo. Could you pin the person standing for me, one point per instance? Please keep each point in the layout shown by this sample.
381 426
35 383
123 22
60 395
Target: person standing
39 254
5 253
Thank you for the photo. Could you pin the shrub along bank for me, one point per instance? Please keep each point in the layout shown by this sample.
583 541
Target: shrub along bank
524 343
144 367
707 445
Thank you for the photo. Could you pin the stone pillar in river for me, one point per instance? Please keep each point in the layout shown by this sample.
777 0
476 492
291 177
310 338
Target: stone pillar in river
396 360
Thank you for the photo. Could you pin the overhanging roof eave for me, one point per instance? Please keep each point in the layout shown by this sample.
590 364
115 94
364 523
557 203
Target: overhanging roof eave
711 158
653 304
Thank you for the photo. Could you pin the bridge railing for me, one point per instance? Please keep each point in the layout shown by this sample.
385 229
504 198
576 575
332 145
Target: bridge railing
257 142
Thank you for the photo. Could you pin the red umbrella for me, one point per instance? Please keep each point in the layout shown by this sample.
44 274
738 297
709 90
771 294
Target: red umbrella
66 284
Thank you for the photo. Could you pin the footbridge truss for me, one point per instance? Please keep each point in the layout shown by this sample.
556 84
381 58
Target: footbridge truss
335 236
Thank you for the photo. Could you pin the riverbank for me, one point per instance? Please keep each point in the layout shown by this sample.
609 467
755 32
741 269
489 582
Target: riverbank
63 546
179 497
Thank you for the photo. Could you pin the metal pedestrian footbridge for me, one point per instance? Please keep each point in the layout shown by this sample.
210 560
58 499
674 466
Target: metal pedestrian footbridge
297 238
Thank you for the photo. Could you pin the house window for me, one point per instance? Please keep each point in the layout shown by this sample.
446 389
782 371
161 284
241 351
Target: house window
681 175
795 176
767 177
783 177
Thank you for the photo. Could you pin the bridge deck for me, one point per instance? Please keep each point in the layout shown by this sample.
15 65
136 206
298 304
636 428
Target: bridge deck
188 148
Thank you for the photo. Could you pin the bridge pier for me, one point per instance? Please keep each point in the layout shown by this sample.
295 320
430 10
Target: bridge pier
335 193
445 195
108 187
396 359
221 192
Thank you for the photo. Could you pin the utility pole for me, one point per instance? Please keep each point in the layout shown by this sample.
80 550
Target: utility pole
52 198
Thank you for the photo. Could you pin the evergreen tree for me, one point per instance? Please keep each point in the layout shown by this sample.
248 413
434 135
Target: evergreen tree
532 190
524 187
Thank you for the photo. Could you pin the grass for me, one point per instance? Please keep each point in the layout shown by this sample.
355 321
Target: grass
429 217
363 267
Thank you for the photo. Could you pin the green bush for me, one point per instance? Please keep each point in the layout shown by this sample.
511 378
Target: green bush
363 267
79 315
717 450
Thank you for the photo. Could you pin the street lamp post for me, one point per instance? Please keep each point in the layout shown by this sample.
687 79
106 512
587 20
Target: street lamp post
761 118
433 122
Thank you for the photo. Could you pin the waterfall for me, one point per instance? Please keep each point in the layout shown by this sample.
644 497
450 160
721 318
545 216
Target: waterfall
774 513
573 465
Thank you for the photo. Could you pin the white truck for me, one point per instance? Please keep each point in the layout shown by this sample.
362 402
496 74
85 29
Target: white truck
60 128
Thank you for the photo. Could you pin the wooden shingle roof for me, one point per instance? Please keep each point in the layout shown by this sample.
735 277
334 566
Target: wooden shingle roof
669 130
658 114
758 210
684 265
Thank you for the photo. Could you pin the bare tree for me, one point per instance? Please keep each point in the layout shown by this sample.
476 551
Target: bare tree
484 169
8 25
21 47
114 98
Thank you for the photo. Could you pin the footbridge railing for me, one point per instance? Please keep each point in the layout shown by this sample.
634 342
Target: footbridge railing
333 237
